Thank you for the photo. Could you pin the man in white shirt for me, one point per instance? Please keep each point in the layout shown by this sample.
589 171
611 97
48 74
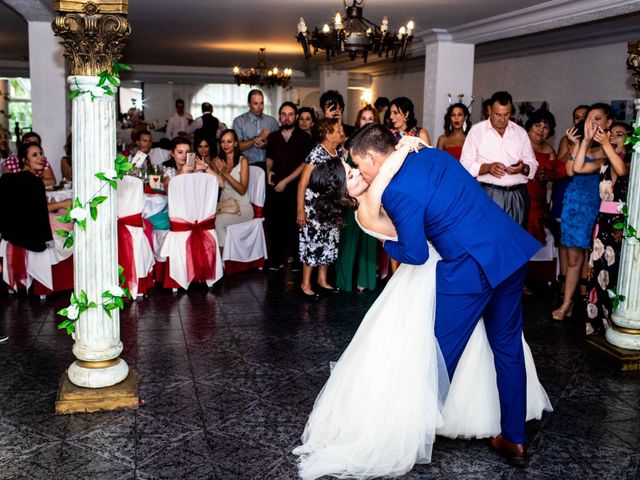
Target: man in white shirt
179 121
498 153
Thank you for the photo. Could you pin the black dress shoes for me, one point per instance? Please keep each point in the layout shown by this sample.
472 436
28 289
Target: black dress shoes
514 453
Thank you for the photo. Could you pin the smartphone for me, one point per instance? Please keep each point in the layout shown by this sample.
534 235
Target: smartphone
191 159
580 129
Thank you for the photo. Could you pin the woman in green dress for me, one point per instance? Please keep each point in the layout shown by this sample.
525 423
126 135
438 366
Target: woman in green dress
358 252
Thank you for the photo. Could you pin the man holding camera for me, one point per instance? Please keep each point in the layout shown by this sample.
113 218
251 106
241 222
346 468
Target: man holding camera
332 105
498 153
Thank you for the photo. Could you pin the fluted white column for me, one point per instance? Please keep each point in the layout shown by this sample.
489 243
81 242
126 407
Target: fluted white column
97 336
625 332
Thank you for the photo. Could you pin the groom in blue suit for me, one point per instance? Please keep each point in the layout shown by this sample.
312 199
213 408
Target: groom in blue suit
482 271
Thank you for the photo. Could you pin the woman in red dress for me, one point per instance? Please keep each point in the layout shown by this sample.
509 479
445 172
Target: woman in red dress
540 126
457 123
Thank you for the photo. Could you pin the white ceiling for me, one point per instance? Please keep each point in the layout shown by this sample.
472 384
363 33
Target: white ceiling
223 33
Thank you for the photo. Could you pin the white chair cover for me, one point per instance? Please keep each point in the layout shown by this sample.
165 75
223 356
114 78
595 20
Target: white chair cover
131 202
38 265
192 197
245 241
257 186
548 251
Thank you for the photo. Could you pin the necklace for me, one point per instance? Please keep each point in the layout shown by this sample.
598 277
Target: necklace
334 154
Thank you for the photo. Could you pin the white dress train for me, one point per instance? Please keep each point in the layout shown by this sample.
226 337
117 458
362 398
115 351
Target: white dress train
384 402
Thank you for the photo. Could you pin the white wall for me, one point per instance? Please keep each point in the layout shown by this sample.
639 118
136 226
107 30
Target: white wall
48 92
409 85
565 79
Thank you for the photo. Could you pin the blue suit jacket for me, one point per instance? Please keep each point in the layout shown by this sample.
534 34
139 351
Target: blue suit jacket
434 198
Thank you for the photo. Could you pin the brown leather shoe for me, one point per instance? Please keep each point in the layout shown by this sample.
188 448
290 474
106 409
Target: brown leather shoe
514 453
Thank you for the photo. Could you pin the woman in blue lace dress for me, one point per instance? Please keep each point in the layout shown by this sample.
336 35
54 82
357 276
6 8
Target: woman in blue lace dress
581 201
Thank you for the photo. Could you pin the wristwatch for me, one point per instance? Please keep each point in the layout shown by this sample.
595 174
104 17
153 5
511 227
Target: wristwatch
526 170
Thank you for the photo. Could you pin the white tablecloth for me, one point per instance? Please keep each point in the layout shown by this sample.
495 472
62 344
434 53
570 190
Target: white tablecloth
59 195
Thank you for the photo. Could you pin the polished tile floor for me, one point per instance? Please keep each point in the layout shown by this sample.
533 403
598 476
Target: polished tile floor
228 376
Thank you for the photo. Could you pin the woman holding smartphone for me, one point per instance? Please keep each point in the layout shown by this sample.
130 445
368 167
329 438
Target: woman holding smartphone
186 162
233 205
581 201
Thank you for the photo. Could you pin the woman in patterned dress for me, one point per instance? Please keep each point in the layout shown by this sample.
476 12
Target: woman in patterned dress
318 241
604 255
403 120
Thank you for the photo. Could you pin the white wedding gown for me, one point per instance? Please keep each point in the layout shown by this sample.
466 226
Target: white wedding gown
389 394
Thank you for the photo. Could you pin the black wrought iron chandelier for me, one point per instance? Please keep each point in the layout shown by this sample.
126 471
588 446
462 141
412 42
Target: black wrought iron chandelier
262 74
355 36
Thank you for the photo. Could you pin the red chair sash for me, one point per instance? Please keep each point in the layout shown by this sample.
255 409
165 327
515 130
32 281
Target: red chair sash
17 263
125 247
257 211
201 247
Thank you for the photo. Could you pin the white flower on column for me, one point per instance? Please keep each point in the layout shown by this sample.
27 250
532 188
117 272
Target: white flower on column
78 214
636 147
72 312
110 174
116 291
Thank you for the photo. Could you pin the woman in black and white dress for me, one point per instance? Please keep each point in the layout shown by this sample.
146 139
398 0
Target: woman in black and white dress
318 241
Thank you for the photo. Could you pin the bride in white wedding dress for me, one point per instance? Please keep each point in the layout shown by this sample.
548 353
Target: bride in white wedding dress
389 393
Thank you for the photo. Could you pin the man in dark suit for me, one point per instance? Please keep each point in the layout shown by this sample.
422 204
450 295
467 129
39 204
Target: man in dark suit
482 271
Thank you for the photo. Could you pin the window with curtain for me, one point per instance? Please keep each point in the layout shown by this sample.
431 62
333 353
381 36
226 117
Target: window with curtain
228 101
19 106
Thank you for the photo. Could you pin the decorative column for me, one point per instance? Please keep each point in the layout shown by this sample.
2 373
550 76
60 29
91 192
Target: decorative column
626 329
622 345
448 71
93 37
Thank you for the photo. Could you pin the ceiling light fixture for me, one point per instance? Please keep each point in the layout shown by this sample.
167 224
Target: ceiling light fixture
262 74
355 36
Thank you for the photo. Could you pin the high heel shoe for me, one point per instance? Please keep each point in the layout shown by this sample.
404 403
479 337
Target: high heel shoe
559 314
327 291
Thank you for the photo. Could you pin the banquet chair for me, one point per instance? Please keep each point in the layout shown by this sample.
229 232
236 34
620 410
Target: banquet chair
246 247
135 254
191 245
48 271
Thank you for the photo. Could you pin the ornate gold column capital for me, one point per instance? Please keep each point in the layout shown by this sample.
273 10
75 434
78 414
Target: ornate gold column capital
93 33
633 63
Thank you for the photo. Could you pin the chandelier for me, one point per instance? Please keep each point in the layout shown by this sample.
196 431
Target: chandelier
355 36
262 75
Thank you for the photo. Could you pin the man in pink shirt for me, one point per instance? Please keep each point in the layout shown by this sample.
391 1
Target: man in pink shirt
498 153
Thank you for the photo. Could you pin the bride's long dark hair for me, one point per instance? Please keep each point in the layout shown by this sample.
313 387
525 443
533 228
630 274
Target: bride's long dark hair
329 181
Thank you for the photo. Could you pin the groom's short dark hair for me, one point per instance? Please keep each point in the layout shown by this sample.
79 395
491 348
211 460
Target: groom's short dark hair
374 137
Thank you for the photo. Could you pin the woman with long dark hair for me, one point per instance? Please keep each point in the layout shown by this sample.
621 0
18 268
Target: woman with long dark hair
581 202
457 122
233 205
358 252
604 254
403 120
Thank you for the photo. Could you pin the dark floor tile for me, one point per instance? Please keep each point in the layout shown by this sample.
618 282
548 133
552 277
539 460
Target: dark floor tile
189 458
563 457
236 458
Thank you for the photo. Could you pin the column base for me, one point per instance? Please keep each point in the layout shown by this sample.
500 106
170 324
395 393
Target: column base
624 360
74 399
98 374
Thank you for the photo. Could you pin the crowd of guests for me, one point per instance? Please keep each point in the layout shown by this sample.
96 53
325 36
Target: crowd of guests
571 197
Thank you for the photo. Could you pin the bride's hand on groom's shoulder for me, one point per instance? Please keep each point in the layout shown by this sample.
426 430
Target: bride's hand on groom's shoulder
412 143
